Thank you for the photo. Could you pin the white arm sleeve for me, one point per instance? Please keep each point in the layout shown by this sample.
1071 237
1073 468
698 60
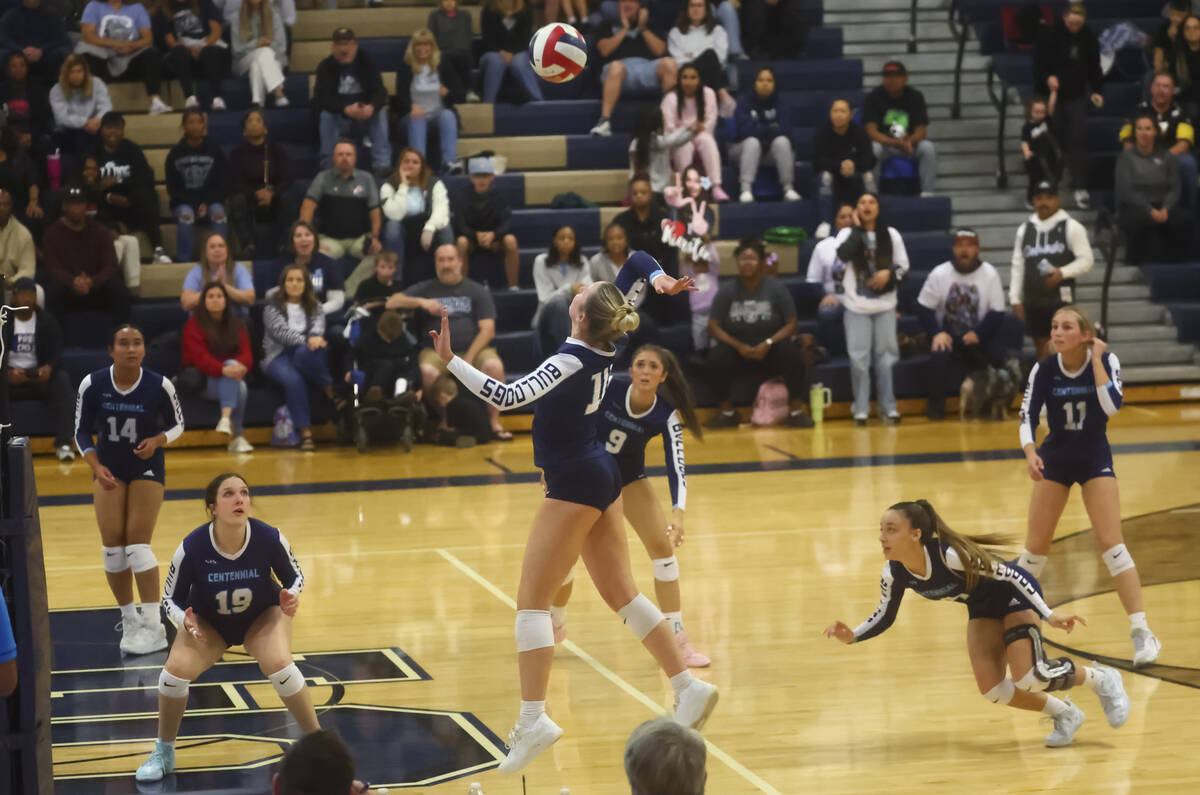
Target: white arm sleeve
174 590
899 253
548 375
176 430
1016 277
1081 247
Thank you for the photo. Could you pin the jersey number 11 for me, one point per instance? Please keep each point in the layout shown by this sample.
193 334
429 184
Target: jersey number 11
1074 424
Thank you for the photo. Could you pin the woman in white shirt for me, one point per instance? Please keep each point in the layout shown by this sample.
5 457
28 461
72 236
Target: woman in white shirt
414 203
558 274
699 39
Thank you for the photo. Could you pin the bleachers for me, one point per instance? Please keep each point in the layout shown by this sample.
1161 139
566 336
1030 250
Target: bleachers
1178 287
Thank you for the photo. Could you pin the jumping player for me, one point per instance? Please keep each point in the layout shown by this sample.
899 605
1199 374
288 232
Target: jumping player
633 414
582 511
220 593
1080 386
126 405
1004 608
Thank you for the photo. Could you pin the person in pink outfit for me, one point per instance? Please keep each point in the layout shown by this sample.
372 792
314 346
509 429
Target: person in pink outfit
689 102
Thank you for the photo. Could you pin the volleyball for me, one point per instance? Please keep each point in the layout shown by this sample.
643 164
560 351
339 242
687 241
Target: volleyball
558 53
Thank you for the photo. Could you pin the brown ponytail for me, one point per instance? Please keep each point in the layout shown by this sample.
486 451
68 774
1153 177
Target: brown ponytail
675 389
978 553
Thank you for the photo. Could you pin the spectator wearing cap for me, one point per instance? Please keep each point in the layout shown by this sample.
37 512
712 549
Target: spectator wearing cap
190 33
451 28
635 60
663 757
37 34
197 183
774 29
33 342
1051 249
351 101
427 89
18 254
259 44
482 220
844 159
1176 132
118 41
822 266
128 182
961 307
1156 224
1066 61
78 101
897 121
506 27
81 265
345 199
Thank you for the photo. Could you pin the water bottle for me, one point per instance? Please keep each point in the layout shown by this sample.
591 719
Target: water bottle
54 169
476 788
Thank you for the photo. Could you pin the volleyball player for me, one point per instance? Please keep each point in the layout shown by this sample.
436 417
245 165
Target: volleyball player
1080 387
220 593
1004 609
126 405
633 414
582 511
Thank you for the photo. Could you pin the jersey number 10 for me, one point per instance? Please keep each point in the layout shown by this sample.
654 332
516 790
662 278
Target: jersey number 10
1074 424
239 603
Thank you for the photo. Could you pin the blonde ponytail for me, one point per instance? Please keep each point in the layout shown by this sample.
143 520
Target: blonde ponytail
608 315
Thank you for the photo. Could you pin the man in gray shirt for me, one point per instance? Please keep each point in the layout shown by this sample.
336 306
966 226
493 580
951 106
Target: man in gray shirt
347 200
472 325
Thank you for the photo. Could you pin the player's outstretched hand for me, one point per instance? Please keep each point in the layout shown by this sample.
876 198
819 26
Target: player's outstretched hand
1064 621
192 625
669 286
1036 467
441 340
840 631
288 602
105 478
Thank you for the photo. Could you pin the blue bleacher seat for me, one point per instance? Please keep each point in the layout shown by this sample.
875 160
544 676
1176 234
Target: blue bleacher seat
1187 320
830 75
914 214
742 220
1177 283
597 151
926 250
531 226
514 309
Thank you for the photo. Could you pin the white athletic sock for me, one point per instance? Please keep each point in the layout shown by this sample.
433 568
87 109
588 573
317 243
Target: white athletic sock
558 615
165 743
675 620
129 614
150 612
681 680
1034 564
1089 677
1138 620
530 712
1054 707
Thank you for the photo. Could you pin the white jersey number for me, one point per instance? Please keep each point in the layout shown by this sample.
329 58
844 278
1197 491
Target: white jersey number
616 440
239 602
599 385
128 430
1074 424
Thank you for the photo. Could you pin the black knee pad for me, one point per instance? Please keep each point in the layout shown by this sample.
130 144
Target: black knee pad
1058 673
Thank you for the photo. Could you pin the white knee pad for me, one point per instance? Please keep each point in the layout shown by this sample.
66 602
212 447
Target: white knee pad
1117 559
1030 683
1001 693
172 686
642 616
570 578
534 630
287 681
666 569
115 561
141 558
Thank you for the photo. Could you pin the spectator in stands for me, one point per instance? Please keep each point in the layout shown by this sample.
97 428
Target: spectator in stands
752 322
386 355
650 147
634 60
1186 66
961 309
643 222
558 274
698 39
215 342
303 249
703 267
189 32
774 28
1168 37
507 27
427 89
1066 59
18 254
1176 132
1039 146
261 178
692 102
79 101
416 211
37 34
348 203
451 28
603 267
472 325
126 245
897 122
1050 250
351 101
482 220
664 758
295 353
875 261
26 104
118 41
19 177
259 44
129 183
844 159
763 128
81 265
822 267
1157 226
197 183
33 367
216 265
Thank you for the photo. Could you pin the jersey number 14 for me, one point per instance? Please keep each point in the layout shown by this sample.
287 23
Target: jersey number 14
128 430
230 603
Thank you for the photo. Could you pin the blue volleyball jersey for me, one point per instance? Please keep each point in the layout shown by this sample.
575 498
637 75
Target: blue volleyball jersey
1076 411
228 590
944 580
568 387
124 418
626 434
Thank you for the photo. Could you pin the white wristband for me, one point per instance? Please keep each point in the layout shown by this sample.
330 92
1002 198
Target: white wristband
769 342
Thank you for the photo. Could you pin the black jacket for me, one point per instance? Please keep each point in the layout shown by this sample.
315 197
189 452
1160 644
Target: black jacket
325 93
402 100
48 338
473 212
197 175
830 149
1074 58
128 166
496 37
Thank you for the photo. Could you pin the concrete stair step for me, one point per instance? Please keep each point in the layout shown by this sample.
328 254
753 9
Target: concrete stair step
919 63
1163 373
1116 292
855 16
968 201
1122 334
898 6
884 33
1158 353
924 46
971 129
964 146
1127 311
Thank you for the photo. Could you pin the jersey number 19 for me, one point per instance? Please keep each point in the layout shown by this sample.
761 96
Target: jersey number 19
239 603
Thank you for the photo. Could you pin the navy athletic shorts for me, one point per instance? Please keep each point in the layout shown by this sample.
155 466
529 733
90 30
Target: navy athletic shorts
233 629
1070 469
595 482
128 468
995 599
632 467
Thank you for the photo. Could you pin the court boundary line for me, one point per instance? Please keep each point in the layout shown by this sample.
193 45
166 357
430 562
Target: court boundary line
606 672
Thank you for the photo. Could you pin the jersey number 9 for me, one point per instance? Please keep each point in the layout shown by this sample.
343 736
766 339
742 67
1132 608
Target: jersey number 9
238 603
616 440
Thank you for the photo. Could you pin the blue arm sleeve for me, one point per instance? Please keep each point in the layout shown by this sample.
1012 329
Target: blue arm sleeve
85 416
8 644
640 265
